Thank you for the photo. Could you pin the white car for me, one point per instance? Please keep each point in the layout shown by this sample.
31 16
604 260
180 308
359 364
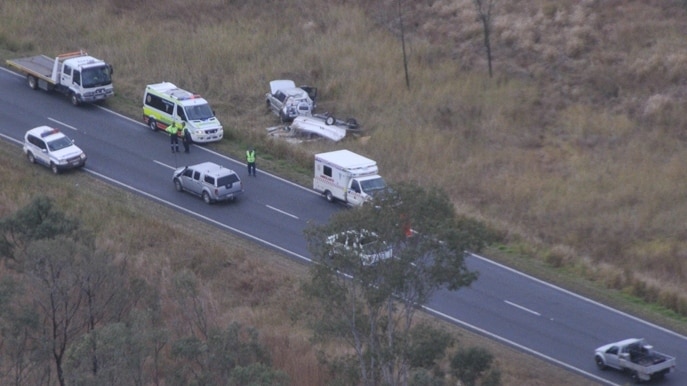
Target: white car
288 101
364 243
48 146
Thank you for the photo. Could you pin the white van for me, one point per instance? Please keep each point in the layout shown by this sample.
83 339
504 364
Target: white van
164 103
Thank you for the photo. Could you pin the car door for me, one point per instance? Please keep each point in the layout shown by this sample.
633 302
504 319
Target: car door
196 183
41 153
612 359
354 195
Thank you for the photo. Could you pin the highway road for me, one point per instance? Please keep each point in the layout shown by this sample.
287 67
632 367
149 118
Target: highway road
504 304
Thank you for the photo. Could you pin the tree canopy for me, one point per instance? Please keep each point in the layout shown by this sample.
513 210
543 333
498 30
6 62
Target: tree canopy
370 303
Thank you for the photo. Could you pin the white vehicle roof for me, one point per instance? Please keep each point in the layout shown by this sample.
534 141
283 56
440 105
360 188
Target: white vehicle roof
282 85
346 158
186 98
209 168
47 133
624 342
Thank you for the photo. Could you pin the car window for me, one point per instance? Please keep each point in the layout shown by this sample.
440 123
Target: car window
59 144
227 180
188 173
196 175
37 142
210 180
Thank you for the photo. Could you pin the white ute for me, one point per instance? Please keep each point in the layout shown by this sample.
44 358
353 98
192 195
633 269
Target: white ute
346 176
636 357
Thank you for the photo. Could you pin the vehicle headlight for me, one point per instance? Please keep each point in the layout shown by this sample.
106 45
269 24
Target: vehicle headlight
82 156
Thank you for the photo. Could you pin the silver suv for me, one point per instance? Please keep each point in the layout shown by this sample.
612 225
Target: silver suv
48 146
208 180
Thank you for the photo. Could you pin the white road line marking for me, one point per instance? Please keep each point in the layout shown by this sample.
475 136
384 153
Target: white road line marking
281 211
522 308
63 124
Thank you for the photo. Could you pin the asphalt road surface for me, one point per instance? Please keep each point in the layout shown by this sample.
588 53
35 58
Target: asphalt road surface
504 304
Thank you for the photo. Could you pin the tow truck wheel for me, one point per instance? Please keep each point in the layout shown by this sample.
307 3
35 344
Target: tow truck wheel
152 124
74 99
328 195
54 168
330 120
177 185
206 198
600 363
33 83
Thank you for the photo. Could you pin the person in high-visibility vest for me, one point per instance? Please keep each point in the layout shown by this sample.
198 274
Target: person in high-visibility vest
174 130
250 160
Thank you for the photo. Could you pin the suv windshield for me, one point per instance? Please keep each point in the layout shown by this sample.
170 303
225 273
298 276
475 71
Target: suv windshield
59 143
199 112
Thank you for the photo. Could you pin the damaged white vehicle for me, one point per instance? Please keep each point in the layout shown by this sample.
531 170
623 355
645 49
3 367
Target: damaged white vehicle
288 101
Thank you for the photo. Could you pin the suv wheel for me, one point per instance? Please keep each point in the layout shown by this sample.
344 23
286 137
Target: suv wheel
152 124
177 185
206 198
31 158
54 168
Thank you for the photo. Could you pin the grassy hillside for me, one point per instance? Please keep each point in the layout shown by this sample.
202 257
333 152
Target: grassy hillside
575 148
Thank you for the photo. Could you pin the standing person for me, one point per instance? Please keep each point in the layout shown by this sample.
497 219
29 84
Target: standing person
173 131
186 138
250 160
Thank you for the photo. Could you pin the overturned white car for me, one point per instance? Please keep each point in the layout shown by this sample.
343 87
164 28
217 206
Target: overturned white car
288 101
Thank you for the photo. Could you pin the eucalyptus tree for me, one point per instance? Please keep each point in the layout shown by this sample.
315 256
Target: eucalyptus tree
369 300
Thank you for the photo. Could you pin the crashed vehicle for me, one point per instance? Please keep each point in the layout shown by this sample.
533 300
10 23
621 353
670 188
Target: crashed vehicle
288 101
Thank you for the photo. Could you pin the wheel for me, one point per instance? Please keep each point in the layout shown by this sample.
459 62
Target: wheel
177 185
32 81
329 196
330 120
352 123
54 168
635 377
206 198
74 99
600 363
31 158
152 124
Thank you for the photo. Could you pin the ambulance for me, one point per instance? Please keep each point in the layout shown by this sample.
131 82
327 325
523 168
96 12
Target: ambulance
164 103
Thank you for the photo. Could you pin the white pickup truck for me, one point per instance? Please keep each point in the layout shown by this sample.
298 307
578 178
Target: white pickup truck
636 357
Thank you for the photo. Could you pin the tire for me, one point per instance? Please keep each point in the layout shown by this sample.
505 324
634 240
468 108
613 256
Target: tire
32 82
206 198
74 99
329 196
330 120
31 158
352 123
54 168
152 124
635 377
177 185
600 363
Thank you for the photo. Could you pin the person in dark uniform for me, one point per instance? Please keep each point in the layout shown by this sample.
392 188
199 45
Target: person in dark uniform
186 139
250 160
